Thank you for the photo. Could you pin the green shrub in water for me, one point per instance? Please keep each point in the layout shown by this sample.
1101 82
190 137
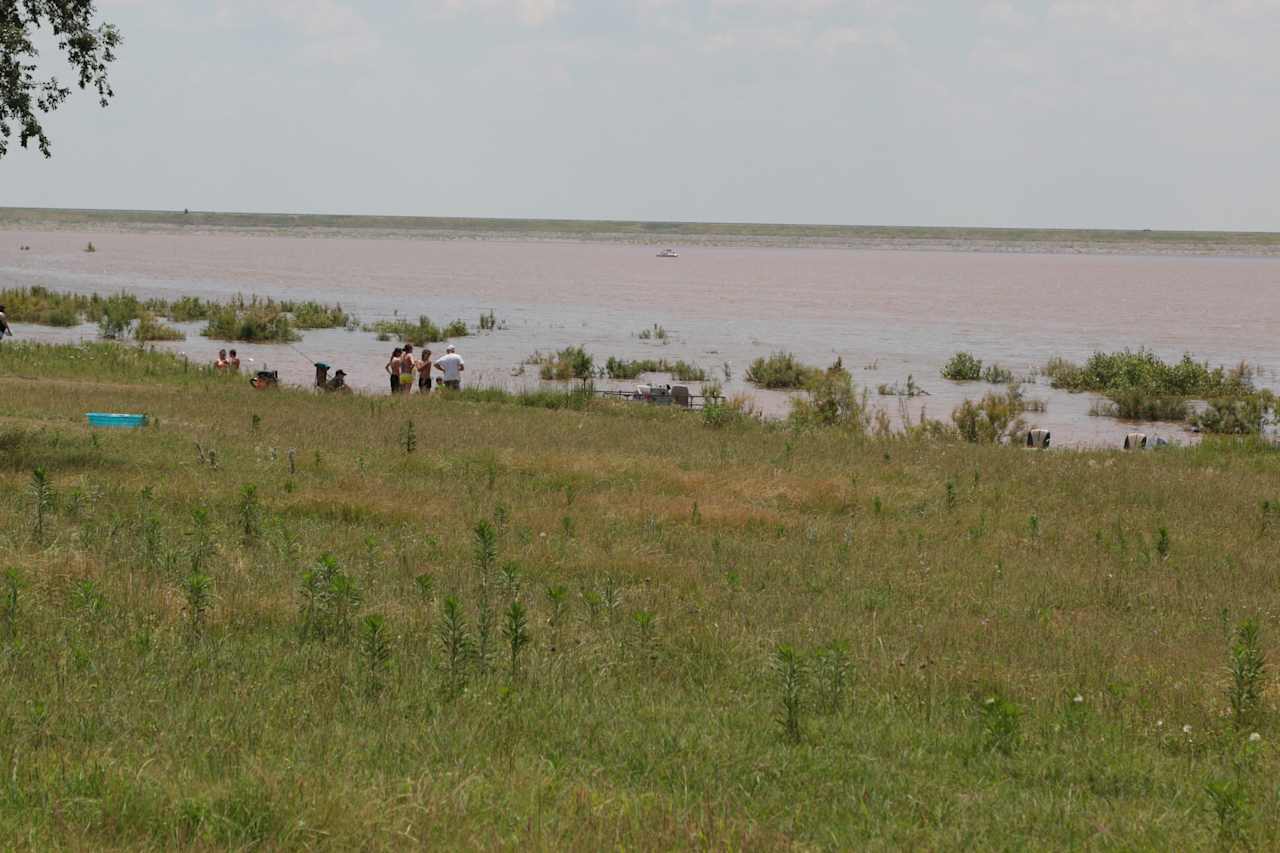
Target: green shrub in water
568 363
990 419
1144 370
962 367
830 399
1241 416
682 371
780 370
314 315
253 321
149 328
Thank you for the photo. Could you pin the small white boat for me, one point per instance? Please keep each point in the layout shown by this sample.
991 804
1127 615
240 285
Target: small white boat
668 253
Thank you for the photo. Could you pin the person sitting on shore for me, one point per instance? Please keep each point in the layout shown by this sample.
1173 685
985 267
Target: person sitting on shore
450 364
424 372
233 361
221 363
338 382
393 368
4 325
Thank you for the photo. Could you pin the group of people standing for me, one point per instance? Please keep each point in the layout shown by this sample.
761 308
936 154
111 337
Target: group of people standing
403 366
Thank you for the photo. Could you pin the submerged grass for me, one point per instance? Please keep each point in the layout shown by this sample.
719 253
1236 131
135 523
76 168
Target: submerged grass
616 368
283 648
254 319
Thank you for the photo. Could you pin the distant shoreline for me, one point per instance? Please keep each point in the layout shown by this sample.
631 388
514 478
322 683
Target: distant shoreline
910 238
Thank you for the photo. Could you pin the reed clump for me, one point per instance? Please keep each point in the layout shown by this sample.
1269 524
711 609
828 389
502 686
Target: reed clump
120 315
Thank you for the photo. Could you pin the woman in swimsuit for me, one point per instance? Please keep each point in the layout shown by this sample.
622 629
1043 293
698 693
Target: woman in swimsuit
407 365
393 369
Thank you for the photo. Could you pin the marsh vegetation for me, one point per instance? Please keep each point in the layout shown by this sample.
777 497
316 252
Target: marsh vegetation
624 625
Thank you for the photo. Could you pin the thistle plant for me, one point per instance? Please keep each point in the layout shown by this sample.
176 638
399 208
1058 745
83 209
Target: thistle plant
197 590
375 652
509 578
408 437
610 597
790 672
329 598
201 548
455 644
557 597
249 513
1162 543
485 549
86 597
42 501
831 672
1248 667
515 630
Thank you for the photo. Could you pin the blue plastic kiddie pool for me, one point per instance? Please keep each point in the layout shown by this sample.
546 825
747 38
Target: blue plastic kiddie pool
102 419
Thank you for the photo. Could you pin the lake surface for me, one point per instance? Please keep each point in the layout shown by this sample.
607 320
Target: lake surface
889 311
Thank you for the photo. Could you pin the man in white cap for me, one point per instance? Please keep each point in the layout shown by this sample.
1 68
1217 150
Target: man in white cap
450 364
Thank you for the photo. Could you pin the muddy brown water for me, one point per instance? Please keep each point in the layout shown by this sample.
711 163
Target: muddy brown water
888 314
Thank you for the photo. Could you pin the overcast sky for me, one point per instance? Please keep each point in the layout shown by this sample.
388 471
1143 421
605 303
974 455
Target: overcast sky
1105 113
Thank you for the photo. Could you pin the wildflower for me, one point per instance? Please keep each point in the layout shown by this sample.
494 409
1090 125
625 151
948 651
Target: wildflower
1255 738
1159 724
1186 730
1078 699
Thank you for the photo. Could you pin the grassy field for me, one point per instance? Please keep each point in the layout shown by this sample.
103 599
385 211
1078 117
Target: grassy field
1032 239
285 620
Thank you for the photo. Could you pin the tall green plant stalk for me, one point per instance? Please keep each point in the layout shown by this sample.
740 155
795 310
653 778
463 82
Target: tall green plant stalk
516 631
197 590
375 652
789 670
42 501
1248 667
249 513
485 545
455 643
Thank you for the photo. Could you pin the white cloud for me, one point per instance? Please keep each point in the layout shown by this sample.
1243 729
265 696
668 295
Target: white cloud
328 31
332 31
1005 13
533 13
